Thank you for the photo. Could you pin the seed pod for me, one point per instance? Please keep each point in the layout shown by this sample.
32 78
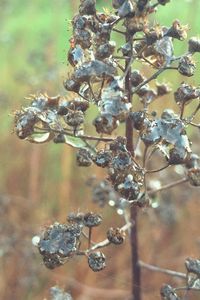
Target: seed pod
194 176
105 123
83 158
92 220
102 35
194 45
87 7
74 118
96 261
129 189
115 236
186 66
193 266
103 158
53 261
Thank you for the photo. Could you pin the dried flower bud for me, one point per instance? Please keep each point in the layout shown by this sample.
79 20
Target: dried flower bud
75 55
103 158
193 266
96 261
185 93
83 158
136 78
119 144
193 161
105 123
162 89
186 66
71 85
177 156
194 176
75 218
74 118
24 124
102 36
122 161
78 104
83 38
167 293
177 31
141 4
105 50
92 220
129 189
87 7
59 139
153 34
115 236
138 118
194 45
127 9
126 49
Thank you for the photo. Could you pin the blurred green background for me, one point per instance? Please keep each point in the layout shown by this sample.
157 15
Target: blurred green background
41 184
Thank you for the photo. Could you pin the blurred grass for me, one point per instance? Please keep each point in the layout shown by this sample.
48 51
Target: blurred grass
42 182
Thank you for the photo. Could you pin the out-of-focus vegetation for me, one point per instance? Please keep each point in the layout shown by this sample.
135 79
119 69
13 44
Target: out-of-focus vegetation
40 184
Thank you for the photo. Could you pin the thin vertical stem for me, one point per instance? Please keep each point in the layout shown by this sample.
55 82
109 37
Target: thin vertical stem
136 292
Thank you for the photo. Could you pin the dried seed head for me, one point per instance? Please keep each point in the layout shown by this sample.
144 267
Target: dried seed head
24 123
176 156
59 139
185 93
193 161
74 118
71 85
194 45
177 31
186 66
87 7
92 220
103 158
115 236
59 294
193 266
141 4
119 144
138 119
75 218
96 261
78 104
105 123
83 158
83 38
153 34
105 50
127 9
122 161
162 89
136 78
129 189
59 241
168 293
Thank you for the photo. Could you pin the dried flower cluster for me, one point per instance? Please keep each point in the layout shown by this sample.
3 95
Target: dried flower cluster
102 75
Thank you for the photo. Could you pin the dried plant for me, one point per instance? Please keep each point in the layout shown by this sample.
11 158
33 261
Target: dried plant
103 75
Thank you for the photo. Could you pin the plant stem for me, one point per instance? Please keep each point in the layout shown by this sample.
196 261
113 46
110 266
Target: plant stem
168 186
136 278
161 270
